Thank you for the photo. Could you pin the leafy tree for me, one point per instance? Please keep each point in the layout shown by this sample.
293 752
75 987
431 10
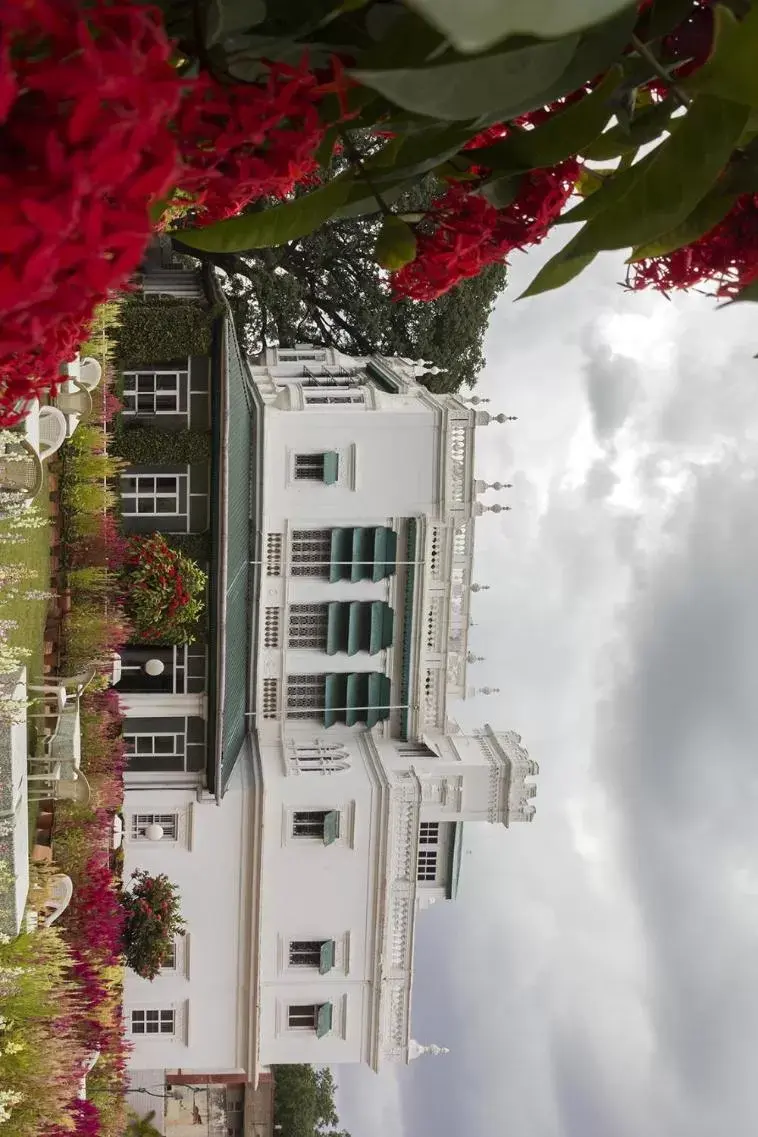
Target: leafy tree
304 1102
142 1126
328 289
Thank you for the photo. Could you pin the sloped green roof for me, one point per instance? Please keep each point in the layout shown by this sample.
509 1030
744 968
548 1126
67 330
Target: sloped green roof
234 579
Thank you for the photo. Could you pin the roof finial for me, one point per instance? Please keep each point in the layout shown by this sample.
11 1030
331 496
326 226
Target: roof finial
415 1050
471 658
480 588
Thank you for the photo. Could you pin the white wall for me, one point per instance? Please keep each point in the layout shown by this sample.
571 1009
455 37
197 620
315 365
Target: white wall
388 465
309 892
205 863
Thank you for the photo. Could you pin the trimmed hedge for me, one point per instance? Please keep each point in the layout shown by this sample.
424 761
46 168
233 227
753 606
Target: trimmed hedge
162 329
150 446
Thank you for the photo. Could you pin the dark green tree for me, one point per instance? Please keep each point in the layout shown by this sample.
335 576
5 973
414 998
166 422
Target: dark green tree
304 1102
327 289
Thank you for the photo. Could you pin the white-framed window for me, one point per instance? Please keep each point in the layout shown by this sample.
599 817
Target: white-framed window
294 355
311 552
154 495
429 833
314 1017
320 757
310 823
161 751
141 822
427 865
153 1020
415 750
171 957
161 392
345 396
305 696
307 625
306 953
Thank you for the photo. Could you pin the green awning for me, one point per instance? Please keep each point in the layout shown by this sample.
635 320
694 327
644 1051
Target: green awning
326 962
356 697
324 1020
363 553
331 826
331 467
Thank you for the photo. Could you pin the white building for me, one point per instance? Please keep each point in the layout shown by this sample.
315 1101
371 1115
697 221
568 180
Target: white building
331 808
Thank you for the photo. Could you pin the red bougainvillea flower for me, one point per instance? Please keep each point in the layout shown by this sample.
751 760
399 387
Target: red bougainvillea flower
727 257
248 140
86 95
468 233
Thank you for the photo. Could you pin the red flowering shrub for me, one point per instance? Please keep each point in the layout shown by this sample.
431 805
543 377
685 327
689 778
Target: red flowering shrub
164 591
83 1121
469 233
248 140
95 918
727 256
86 96
152 921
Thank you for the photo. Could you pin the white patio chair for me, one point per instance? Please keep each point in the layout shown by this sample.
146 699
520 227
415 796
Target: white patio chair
90 373
61 890
53 431
74 399
79 682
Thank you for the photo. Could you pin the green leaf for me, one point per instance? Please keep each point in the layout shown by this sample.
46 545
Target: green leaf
562 136
644 127
395 244
478 24
662 18
706 214
425 150
466 89
500 192
614 186
731 71
559 270
661 193
228 17
274 226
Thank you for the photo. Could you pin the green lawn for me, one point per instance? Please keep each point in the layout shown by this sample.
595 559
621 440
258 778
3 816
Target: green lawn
30 615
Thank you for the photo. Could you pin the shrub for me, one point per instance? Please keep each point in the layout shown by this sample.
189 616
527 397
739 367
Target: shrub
196 546
149 446
153 920
161 330
164 592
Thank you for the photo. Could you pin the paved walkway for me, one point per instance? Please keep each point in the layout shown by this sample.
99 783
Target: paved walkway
14 820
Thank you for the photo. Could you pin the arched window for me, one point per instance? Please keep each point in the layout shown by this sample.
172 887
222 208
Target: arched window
320 757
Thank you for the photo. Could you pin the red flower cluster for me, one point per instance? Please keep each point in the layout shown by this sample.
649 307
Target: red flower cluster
85 1121
164 591
727 257
469 233
248 140
86 95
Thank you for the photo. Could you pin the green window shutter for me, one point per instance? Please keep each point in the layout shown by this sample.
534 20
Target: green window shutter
362 554
380 554
332 698
331 826
382 621
331 467
324 1020
378 698
326 962
341 551
354 627
334 625
355 699
390 560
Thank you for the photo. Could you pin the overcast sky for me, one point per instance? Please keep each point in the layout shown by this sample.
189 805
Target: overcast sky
597 975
